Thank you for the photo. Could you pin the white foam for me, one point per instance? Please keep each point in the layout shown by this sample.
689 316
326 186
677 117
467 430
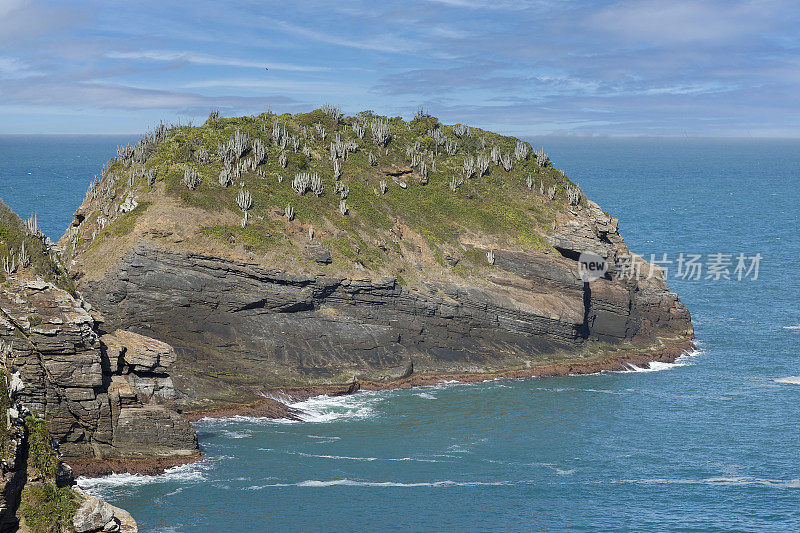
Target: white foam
739 481
657 366
792 327
330 408
355 483
794 380
97 486
368 459
426 396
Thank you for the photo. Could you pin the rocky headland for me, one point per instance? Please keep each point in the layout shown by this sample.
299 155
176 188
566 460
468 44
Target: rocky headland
321 253
220 269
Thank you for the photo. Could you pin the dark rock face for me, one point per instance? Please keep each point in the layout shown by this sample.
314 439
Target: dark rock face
278 328
89 403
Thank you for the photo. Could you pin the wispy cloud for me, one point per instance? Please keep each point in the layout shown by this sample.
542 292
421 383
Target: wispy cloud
576 66
202 59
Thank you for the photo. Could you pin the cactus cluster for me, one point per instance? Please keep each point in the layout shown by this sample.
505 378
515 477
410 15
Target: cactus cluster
381 133
191 179
461 131
307 181
574 195
541 158
335 112
521 151
245 201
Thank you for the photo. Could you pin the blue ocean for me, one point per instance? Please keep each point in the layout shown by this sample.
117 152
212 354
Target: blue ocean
710 443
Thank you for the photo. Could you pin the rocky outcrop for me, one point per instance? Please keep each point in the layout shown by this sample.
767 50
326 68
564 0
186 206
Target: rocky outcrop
94 406
96 515
272 327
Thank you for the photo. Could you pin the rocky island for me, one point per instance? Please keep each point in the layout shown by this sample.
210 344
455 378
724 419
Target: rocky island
211 267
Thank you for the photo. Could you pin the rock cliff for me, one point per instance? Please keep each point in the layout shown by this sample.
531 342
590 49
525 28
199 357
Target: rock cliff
398 248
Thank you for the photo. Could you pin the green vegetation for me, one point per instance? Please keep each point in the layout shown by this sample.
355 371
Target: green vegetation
14 238
444 182
47 508
126 222
42 459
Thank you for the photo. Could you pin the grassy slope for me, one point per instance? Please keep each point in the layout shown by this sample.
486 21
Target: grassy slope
12 235
496 209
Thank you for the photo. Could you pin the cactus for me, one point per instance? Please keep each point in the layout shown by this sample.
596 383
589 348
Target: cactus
343 190
437 135
244 220
521 150
280 178
359 128
32 225
383 187
316 184
9 263
450 147
150 176
191 178
460 130
381 133
244 200
482 164
495 155
541 158
574 195
304 181
507 161
282 161
337 169
276 132
239 143
490 257
469 167
310 232
320 130
456 182
373 161
24 258
202 156
225 176
131 178
551 192
343 207
335 112
529 182
289 212
259 151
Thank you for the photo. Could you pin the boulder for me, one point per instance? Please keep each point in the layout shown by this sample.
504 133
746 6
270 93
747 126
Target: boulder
92 515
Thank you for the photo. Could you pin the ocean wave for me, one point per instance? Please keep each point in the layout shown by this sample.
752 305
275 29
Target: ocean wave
99 486
367 459
657 366
426 396
322 409
355 483
792 327
794 380
737 481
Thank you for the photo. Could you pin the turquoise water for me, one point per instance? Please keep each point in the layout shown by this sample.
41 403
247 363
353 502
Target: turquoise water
708 444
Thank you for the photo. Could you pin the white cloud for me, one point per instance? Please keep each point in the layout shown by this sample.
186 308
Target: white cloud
13 68
682 21
203 59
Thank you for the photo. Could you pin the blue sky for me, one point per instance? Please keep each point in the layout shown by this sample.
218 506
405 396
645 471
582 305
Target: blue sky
631 67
